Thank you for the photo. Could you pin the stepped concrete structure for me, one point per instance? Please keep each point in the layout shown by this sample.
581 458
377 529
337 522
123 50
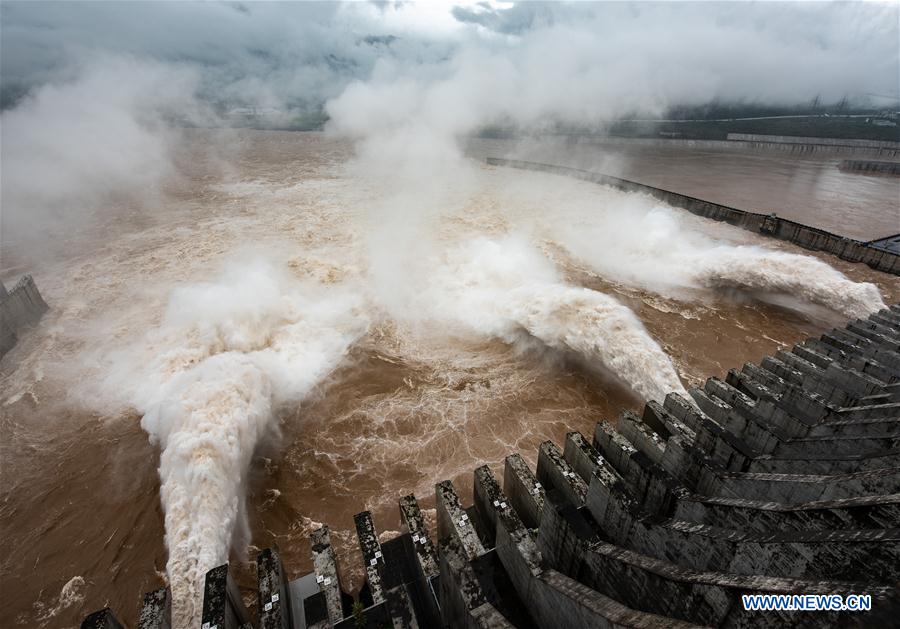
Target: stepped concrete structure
783 478
19 307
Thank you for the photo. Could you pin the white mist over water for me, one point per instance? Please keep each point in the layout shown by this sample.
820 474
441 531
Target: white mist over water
227 356
503 287
779 273
71 147
629 238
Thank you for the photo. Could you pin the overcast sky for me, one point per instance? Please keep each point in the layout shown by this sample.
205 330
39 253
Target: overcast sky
299 55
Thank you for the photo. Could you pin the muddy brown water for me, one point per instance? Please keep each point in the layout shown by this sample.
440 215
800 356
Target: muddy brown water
809 189
82 525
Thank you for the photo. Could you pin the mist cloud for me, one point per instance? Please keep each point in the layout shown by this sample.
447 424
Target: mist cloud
290 55
68 147
92 91
535 65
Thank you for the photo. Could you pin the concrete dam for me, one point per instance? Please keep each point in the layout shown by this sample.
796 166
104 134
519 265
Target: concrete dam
781 479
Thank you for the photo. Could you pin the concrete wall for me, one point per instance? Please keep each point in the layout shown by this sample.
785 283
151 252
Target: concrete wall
21 306
790 139
817 146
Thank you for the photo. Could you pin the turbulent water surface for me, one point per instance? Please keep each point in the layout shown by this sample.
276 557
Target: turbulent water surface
280 340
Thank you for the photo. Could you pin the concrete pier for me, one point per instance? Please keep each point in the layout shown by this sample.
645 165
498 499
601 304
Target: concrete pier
19 307
156 612
223 606
325 564
273 595
783 478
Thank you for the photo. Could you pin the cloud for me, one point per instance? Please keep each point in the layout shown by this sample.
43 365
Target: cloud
285 54
513 20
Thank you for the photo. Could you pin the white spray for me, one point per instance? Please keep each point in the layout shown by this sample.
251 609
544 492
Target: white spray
630 239
805 277
501 287
226 357
407 136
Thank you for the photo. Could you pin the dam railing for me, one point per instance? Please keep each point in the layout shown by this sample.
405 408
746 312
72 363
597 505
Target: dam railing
811 238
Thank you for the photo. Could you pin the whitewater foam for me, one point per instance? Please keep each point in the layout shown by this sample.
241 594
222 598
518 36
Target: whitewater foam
72 593
755 269
632 240
227 355
504 287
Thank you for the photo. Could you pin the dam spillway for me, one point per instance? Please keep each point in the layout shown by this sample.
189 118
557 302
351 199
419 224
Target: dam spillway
780 479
